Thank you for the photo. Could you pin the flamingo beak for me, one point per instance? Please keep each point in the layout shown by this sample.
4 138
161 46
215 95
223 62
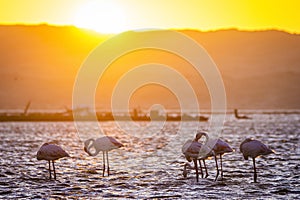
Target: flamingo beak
85 149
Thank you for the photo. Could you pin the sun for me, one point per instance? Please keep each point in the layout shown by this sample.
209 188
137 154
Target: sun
101 16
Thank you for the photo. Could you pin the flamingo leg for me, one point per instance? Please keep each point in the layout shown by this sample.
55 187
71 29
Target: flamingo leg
205 168
49 169
221 166
217 167
196 168
103 164
54 169
255 175
107 163
184 171
200 166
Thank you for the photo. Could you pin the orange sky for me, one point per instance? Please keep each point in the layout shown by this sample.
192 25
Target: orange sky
120 15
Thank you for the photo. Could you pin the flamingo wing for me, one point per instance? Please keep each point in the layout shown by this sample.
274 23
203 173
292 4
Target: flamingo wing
191 150
253 148
51 152
222 147
115 142
107 143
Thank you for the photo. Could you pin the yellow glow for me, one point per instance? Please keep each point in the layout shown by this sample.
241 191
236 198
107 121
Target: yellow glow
119 15
101 16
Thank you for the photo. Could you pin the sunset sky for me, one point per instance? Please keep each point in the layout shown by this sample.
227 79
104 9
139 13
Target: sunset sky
115 16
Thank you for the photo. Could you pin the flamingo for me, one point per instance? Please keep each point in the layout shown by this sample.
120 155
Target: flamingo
104 144
220 148
191 150
253 148
51 152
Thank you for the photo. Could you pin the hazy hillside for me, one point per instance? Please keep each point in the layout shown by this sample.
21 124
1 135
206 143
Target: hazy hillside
39 63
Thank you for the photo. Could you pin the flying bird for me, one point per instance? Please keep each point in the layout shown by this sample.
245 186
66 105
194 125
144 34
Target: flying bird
104 144
51 152
253 148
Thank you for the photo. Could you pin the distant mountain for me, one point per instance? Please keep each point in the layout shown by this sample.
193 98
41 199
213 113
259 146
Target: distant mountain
261 70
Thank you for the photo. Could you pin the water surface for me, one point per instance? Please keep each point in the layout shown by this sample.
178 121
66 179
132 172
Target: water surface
150 165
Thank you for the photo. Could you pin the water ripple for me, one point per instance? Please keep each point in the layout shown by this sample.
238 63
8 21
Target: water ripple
150 165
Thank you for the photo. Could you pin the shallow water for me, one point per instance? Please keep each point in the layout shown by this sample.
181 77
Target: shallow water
150 165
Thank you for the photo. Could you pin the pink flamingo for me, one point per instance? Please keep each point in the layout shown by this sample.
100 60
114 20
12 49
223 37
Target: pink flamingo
220 148
191 150
104 144
253 148
51 152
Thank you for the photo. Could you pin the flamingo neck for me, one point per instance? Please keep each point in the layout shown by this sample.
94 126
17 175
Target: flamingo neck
199 136
206 138
89 145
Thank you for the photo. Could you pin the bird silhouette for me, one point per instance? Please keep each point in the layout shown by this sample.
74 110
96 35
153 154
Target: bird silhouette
104 144
192 152
220 148
192 147
237 116
51 152
253 148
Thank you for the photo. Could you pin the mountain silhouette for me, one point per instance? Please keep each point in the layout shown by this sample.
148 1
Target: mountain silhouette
260 69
